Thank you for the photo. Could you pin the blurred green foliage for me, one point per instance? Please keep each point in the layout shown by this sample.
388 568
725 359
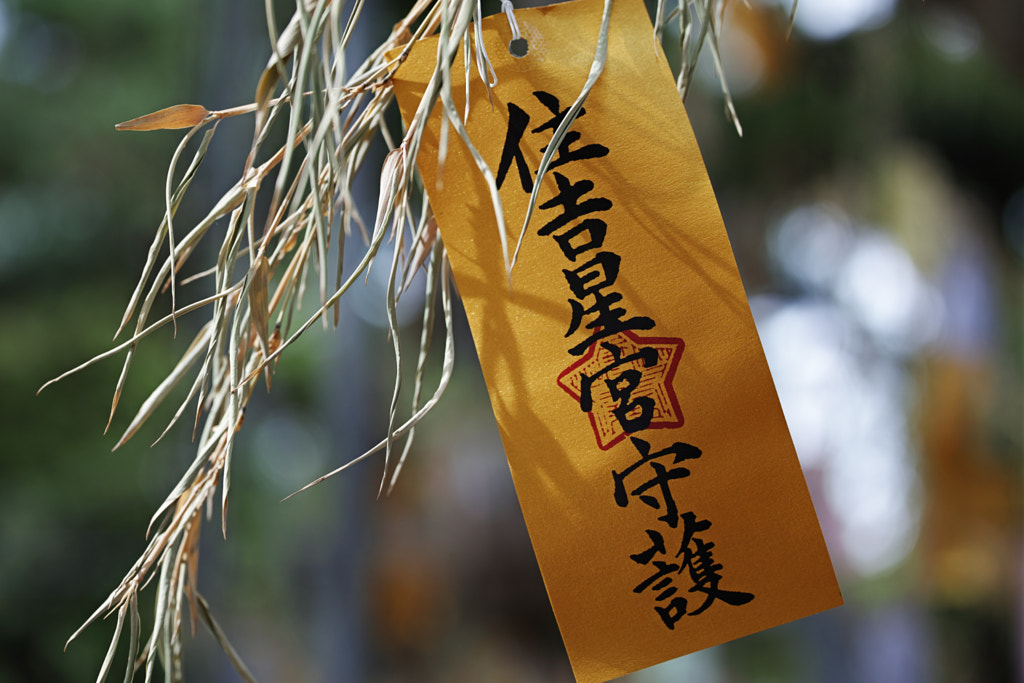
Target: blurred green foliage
73 199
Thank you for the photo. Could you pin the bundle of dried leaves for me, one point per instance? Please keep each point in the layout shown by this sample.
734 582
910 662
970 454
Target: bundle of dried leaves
334 112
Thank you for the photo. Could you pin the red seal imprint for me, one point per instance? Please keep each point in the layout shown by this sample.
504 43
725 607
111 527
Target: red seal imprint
617 372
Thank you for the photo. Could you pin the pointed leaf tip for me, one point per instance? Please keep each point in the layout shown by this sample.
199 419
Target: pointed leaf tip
259 301
178 116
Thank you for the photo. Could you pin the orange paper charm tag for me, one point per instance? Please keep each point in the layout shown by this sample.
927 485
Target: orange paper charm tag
650 455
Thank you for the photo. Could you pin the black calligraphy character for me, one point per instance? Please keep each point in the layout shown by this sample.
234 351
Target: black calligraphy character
665 570
676 608
518 120
672 612
691 525
663 576
661 479
621 387
703 570
590 279
551 102
594 275
595 230
565 154
568 198
607 320
658 548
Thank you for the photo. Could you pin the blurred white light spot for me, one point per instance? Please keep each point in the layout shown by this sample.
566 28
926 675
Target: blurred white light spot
875 548
954 34
806 346
846 409
880 285
833 19
875 488
871 482
811 242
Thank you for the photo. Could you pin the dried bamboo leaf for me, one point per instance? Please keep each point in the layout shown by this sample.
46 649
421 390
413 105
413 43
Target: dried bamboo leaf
266 85
139 336
367 259
434 271
165 387
161 232
222 640
792 19
689 49
392 177
309 35
109 659
191 561
178 116
452 115
423 248
730 109
120 383
133 640
446 374
171 205
259 300
659 21
392 315
596 67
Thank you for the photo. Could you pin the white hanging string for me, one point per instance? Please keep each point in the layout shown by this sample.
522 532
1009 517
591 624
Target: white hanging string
483 61
506 5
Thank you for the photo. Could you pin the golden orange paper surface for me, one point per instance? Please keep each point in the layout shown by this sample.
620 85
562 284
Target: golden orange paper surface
655 471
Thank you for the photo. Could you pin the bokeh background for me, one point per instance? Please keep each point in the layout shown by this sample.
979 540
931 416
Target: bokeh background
876 207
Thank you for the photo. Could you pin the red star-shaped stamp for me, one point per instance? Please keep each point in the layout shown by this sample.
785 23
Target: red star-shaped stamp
602 371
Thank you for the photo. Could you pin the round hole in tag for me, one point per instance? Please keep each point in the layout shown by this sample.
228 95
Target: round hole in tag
533 52
519 48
